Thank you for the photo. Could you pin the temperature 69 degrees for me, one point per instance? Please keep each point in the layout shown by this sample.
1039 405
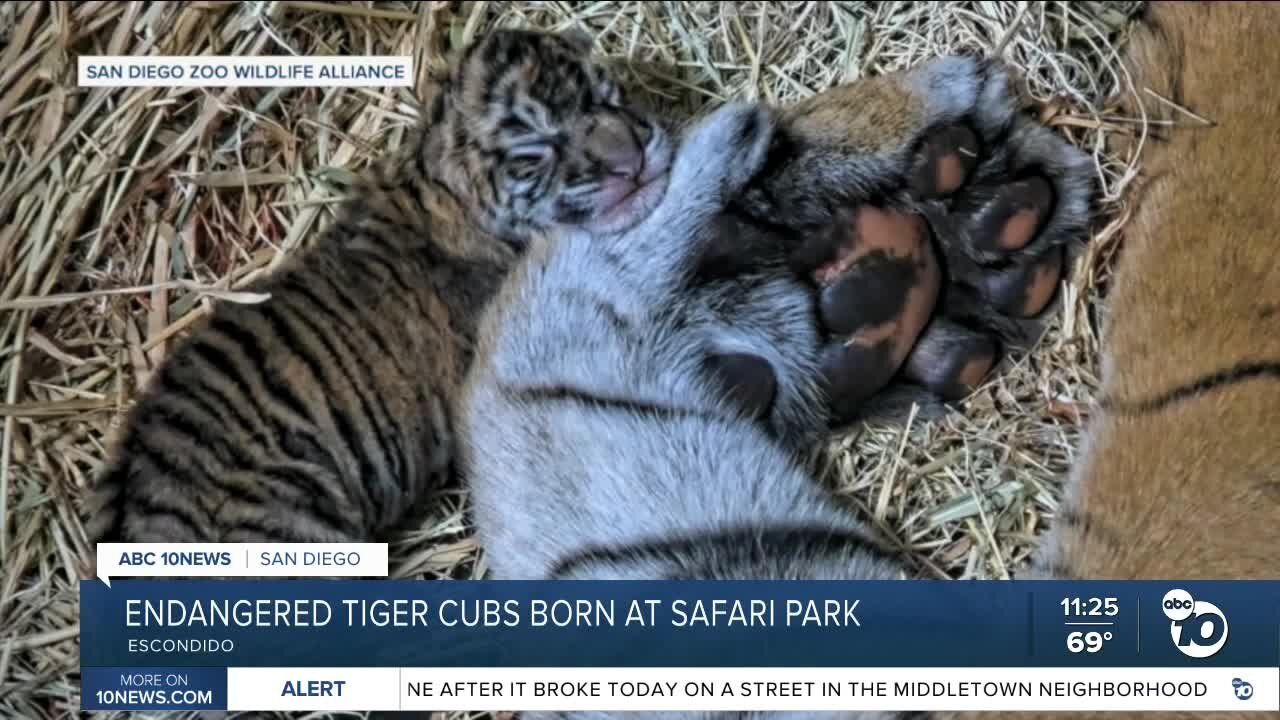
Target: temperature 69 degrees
1088 622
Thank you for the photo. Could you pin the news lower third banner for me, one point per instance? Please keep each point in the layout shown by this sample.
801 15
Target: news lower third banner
342 644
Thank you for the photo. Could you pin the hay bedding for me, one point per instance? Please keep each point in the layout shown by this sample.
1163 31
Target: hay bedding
125 213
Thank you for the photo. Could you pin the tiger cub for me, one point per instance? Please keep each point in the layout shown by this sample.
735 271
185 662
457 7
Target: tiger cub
326 412
597 445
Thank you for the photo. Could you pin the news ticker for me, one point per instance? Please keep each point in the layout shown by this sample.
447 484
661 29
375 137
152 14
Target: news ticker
338 644
355 689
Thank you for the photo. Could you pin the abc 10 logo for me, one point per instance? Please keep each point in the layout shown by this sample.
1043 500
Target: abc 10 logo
1199 628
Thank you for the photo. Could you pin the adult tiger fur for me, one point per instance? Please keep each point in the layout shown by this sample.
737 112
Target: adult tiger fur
1179 477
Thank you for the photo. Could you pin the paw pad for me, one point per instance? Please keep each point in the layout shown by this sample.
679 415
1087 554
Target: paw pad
944 162
996 216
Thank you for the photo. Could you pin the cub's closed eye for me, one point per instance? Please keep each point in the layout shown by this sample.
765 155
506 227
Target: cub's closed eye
514 126
526 165
517 165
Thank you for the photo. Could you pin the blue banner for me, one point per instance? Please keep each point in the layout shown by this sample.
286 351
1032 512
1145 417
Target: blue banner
172 624
163 688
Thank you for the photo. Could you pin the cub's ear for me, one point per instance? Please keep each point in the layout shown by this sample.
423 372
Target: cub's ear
746 381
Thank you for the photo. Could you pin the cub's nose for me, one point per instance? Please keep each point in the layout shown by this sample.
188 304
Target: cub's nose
614 142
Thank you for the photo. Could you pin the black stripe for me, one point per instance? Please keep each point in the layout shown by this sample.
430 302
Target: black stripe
368 329
369 473
1089 525
380 422
1230 376
118 475
150 507
435 114
420 147
767 543
439 441
490 50
747 133
210 399
562 393
247 342
215 360
229 454
181 399
282 533
176 411
375 280
303 481
620 323
156 457
320 504
346 433
371 222
391 269
305 448
146 499
441 436
386 425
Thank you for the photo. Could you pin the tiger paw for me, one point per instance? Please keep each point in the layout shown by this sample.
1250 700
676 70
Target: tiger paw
995 195
1006 238
877 279
931 218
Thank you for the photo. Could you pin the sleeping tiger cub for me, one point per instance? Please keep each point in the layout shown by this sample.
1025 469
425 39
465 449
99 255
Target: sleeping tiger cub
596 447
326 412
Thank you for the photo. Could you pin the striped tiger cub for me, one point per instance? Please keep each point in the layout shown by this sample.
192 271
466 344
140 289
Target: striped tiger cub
597 445
326 412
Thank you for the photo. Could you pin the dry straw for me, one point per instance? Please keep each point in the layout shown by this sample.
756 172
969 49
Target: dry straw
125 213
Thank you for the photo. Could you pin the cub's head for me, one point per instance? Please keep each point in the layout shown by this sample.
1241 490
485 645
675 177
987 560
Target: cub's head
539 136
